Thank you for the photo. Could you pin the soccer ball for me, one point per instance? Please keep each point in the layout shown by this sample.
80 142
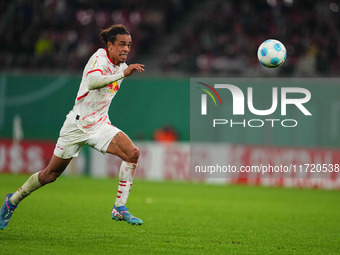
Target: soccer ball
272 53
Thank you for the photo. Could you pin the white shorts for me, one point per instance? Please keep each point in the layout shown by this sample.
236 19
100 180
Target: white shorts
72 139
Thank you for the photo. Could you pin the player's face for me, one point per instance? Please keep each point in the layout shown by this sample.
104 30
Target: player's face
120 49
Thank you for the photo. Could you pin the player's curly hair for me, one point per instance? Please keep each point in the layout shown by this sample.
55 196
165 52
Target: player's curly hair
109 34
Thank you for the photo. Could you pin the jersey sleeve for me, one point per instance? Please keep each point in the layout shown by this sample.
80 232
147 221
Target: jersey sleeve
96 64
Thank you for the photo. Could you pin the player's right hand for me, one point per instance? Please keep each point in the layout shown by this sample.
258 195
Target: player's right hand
131 68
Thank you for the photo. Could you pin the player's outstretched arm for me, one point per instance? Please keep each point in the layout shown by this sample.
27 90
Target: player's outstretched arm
97 80
131 68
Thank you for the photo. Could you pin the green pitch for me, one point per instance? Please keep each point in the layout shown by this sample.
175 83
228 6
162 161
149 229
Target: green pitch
72 216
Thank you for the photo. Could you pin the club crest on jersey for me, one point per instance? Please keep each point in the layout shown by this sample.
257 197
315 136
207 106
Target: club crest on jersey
113 87
95 64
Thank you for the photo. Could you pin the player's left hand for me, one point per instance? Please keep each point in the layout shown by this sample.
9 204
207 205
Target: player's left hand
131 68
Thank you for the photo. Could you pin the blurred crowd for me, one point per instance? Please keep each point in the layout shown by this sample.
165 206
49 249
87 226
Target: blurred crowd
224 40
62 35
205 37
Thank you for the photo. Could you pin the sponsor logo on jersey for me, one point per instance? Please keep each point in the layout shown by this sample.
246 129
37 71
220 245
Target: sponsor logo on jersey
113 87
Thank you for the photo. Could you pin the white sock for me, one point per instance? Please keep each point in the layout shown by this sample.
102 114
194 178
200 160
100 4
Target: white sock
126 174
29 186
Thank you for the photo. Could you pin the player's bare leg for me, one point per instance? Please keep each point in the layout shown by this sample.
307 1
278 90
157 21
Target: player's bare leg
49 174
122 146
54 169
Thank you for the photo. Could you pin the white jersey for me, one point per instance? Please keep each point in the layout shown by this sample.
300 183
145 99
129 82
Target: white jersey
92 106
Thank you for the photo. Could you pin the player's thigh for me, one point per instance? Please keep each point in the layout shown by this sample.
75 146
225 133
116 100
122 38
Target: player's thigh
122 146
101 140
110 139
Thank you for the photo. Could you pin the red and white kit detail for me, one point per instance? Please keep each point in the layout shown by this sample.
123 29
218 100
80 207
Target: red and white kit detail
92 105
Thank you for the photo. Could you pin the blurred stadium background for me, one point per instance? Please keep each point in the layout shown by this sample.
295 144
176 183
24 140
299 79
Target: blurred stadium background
173 36
44 46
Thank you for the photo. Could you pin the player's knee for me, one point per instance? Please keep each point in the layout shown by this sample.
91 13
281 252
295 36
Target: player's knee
48 177
133 155
53 176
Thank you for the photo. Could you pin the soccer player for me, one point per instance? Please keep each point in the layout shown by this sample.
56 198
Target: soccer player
88 124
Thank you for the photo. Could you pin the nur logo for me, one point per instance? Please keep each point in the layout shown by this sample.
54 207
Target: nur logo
239 99
281 98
